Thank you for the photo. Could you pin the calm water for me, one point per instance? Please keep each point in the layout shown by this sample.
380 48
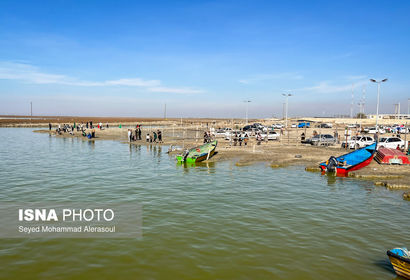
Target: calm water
206 222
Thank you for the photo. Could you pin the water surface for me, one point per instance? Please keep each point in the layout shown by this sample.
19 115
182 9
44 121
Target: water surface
214 221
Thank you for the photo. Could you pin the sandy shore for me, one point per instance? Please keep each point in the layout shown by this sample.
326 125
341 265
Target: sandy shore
287 151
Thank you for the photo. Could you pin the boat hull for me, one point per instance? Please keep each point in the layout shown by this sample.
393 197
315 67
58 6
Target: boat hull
400 264
355 160
199 153
345 171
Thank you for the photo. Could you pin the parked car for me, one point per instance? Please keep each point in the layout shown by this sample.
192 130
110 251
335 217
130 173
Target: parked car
294 125
303 124
391 142
221 132
272 135
353 125
324 125
277 125
323 139
372 130
357 142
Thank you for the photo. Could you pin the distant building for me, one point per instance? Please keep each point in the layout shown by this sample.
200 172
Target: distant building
390 116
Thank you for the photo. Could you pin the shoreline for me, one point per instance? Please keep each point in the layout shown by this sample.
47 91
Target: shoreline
277 154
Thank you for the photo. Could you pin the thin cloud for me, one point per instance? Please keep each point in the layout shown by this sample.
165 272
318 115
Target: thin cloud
356 77
31 74
265 77
175 90
327 87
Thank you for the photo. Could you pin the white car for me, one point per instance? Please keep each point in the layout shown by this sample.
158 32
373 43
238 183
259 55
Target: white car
294 125
278 125
357 142
372 130
273 135
391 142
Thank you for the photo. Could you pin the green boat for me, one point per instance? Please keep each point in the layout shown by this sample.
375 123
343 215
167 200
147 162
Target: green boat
199 153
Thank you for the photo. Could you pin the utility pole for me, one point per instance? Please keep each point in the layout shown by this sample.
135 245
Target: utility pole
408 107
283 110
351 104
31 110
378 99
287 97
246 116
165 111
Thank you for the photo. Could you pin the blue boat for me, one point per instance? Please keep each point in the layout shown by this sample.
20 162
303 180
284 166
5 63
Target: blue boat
349 162
400 260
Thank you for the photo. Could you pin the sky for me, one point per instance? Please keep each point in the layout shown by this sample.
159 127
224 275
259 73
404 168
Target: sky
202 58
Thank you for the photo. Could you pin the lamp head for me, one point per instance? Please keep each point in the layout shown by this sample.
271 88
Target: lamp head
384 80
373 80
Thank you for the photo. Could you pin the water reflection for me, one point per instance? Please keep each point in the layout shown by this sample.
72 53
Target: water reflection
197 166
91 144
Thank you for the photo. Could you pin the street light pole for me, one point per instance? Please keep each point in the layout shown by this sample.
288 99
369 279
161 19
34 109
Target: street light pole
246 116
286 108
378 100
408 107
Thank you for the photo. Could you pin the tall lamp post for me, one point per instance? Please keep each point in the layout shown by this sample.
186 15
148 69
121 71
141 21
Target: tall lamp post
246 116
286 108
378 100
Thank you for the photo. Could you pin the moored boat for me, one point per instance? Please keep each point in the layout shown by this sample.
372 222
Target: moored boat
199 153
350 161
400 260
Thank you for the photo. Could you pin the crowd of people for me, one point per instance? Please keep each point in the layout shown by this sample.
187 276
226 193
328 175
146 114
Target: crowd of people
80 127
239 138
153 137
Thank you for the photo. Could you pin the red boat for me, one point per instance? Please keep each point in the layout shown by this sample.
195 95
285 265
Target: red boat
355 160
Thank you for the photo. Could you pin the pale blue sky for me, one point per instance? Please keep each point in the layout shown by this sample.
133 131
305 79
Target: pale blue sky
202 58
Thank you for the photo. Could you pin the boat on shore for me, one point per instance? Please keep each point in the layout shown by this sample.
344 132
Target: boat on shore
400 260
355 160
200 153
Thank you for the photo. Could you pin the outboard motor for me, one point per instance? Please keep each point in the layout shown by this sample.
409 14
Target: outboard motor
331 164
185 155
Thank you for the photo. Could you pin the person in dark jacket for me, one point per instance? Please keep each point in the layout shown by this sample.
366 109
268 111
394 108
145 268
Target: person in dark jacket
159 136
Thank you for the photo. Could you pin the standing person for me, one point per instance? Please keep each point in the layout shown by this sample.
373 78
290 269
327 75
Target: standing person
246 138
147 137
240 139
336 136
107 124
159 136
91 124
49 126
376 136
86 125
129 135
155 137
139 132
